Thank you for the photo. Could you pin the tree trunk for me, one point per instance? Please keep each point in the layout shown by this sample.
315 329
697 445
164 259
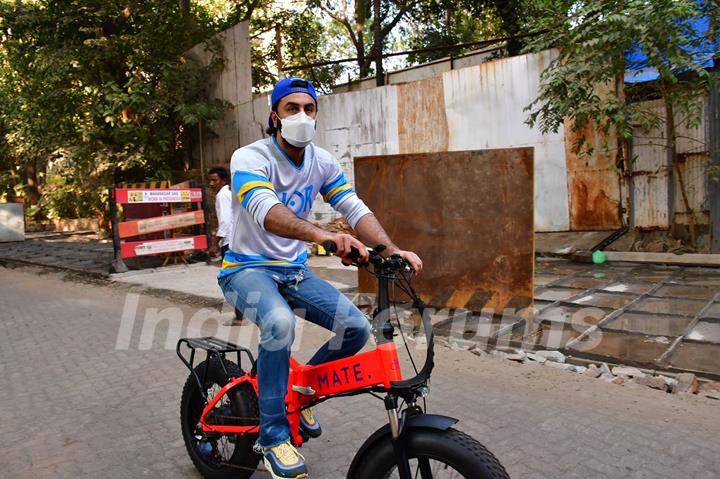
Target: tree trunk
360 16
508 12
184 7
278 50
33 189
377 44
671 143
622 161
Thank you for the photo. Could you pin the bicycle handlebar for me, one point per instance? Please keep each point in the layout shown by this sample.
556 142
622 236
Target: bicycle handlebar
394 262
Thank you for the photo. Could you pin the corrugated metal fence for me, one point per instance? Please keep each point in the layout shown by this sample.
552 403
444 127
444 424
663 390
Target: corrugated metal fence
479 107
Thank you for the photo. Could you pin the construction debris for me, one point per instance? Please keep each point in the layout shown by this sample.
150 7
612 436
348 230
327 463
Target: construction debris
620 375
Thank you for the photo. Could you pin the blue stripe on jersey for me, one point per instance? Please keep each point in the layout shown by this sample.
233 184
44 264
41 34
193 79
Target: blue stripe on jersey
245 184
234 262
328 187
337 197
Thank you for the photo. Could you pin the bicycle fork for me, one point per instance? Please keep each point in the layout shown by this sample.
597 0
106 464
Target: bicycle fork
398 443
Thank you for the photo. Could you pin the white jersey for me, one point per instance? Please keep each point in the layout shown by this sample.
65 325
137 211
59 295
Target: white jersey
264 176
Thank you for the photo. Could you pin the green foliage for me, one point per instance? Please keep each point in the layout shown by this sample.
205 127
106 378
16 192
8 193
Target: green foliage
304 41
449 22
101 88
361 27
584 83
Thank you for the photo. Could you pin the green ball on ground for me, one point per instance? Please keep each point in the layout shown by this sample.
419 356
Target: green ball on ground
599 257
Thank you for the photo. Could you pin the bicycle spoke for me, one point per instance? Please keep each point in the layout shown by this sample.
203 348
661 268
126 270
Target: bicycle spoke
426 468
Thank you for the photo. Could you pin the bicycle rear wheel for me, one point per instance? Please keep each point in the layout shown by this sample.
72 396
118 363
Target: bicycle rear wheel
435 454
220 456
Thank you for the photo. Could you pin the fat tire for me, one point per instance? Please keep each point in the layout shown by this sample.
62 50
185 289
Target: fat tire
455 448
243 403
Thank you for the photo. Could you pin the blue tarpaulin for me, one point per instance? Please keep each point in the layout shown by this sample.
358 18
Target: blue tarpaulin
704 54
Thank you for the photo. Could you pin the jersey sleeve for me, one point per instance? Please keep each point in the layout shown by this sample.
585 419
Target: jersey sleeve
251 184
342 197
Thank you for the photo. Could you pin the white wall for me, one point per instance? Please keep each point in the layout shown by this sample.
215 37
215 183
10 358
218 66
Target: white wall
485 109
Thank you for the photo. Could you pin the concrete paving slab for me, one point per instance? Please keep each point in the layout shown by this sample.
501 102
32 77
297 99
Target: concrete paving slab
706 331
634 349
697 357
687 307
636 287
573 314
713 311
684 291
605 300
652 324
556 294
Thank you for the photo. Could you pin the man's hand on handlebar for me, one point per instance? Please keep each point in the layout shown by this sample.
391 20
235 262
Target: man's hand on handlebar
344 244
410 258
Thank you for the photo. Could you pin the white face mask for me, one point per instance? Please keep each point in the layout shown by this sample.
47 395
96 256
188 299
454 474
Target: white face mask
298 129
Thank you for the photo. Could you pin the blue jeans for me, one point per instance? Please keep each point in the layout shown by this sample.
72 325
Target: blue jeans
267 296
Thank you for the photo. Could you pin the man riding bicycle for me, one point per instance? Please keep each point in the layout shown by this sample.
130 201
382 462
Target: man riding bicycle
274 183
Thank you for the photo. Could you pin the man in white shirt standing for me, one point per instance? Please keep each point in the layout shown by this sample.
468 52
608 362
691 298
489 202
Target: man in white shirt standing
274 184
218 182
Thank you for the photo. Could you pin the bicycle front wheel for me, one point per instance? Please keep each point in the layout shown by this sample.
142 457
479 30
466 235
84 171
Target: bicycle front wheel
435 454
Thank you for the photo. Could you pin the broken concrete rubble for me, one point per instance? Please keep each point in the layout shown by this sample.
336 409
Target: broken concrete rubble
619 375
536 357
518 356
687 383
710 387
655 382
628 372
555 356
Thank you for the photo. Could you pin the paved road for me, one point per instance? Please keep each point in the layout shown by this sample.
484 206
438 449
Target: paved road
73 404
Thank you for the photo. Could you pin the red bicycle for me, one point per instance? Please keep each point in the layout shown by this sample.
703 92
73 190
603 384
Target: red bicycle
220 417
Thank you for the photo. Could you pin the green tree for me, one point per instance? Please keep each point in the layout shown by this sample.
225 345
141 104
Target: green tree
97 91
368 25
448 22
593 37
299 39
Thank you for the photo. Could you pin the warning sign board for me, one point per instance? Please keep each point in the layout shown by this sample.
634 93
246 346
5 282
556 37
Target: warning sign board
153 217
157 195
142 248
160 223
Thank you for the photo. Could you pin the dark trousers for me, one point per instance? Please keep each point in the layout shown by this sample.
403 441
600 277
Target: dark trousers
238 313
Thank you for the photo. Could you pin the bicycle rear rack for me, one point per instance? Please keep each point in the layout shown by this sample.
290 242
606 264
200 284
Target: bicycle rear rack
213 347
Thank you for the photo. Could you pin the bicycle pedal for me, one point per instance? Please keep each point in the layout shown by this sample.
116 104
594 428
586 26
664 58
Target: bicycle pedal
305 390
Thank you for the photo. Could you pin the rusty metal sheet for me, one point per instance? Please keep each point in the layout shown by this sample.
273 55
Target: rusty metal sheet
650 179
422 123
694 171
593 184
468 214
656 192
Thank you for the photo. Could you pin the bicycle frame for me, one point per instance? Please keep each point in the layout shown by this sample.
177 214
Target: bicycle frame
372 370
